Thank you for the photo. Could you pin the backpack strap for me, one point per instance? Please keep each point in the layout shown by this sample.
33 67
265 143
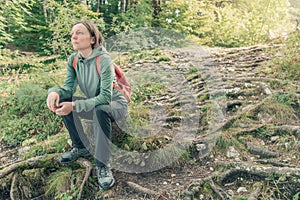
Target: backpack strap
75 60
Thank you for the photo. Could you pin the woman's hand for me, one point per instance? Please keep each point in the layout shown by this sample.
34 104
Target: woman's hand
64 108
53 101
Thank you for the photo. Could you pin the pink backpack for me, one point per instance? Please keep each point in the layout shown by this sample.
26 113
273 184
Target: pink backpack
122 85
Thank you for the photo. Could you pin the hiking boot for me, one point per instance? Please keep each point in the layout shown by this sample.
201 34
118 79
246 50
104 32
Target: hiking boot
105 177
73 155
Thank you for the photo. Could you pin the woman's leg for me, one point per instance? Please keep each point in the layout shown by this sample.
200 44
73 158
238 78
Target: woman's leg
105 114
80 143
102 138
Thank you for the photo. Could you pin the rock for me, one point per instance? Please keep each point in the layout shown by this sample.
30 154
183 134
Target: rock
23 150
201 147
232 153
241 190
274 138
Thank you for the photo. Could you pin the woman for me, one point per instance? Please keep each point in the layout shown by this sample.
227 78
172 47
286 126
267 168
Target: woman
101 103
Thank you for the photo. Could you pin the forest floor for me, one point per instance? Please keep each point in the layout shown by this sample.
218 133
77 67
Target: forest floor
234 122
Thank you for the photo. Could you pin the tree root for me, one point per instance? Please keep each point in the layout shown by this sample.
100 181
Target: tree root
221 193
89 168
40 162
144 190
13 188
256 170
263 153
195 186
244 169
274 163
254 195
29 164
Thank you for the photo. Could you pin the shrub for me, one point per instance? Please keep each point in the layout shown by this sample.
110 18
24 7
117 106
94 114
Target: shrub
25 115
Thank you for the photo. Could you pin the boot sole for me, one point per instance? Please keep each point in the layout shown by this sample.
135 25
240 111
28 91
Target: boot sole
110 186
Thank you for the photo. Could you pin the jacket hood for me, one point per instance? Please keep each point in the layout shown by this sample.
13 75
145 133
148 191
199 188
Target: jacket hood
100 50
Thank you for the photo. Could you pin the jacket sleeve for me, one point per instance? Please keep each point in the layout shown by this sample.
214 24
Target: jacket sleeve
67 90
105 90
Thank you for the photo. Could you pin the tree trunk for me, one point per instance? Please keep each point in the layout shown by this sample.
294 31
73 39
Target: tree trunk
123 5
156 10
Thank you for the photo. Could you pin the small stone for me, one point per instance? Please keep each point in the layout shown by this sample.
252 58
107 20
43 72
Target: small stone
23 150
173 175
143 164
232 153
274 138
177 184
230 192
200 147
165 183
211 169
241 190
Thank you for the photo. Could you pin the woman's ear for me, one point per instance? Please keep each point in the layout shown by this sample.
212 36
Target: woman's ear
93 40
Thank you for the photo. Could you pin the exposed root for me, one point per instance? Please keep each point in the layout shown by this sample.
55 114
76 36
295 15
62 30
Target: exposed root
274 163
256 170
28 164
89 168
221 193
13 189
144 190
263 153
254 195
195 186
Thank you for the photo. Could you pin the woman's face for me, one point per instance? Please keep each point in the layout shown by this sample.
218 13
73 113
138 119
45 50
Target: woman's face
81 38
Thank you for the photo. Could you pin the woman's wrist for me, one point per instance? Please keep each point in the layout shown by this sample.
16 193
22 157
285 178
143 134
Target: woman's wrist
73 105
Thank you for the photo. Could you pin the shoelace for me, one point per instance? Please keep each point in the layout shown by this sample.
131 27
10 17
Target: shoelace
74 150
103 171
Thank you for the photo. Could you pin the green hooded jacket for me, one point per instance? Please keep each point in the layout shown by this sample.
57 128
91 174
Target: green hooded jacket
97 90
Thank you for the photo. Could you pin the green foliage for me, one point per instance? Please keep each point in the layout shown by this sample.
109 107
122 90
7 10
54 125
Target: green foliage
25 114
188 17
287 99
12 18
229 24
288 68
296 196
13 62
245 23
62 19
60 185
136 16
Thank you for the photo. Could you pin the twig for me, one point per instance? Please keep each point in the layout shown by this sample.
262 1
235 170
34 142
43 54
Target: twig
89 168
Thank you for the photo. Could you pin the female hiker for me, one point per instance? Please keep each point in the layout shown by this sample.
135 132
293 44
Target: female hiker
102 102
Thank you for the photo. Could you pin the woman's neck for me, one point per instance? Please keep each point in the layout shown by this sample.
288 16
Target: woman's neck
86 53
